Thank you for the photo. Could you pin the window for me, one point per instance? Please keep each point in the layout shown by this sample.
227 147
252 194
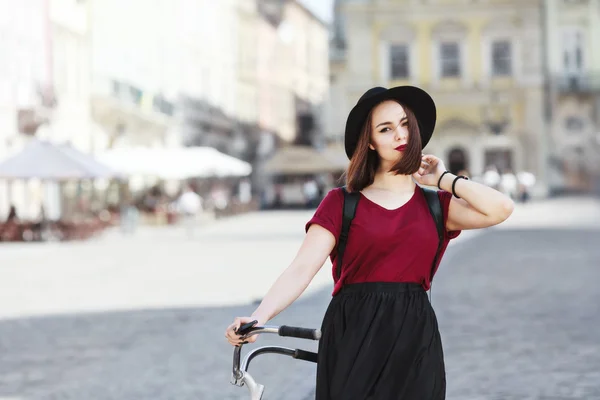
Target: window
450 59
501 58
399 61
572 46
574 124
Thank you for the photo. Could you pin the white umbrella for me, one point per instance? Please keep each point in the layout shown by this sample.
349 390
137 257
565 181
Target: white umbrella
53 162
175 163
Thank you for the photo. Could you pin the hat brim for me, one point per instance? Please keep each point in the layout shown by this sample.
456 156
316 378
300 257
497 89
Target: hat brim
421 104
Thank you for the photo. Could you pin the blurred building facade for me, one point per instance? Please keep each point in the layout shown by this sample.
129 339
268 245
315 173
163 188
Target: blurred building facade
70 45
207 108
135 70
572 41
293 78
26 91
481 62
25 73
292 69
280 80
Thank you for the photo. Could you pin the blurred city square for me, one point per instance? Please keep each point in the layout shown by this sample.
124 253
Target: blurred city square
159 159
143 316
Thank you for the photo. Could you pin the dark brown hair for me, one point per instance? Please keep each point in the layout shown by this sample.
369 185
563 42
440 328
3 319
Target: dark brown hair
365 162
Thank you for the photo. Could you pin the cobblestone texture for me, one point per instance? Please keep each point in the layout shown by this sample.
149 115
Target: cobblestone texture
518 312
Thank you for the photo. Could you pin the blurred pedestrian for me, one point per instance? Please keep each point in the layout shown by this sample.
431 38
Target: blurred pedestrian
12 214
310 190
129 215
245 191
190 206
509 184
526 182
380 337
491 177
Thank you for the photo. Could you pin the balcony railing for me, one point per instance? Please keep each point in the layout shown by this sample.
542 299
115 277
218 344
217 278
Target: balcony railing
133 96
588 83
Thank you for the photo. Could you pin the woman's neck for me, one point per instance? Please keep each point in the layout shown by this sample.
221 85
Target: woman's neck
392 182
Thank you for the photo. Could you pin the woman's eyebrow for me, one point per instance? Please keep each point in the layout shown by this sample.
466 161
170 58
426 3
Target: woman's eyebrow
389 123
383 123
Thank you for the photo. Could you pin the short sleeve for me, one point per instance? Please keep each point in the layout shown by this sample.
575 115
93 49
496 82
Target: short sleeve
445 198
329 213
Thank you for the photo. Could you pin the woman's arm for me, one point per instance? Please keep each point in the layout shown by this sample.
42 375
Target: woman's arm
318 244
479 206
315 249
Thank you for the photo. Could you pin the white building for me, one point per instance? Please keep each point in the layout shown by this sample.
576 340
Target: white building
134 66
146 57
25 85
69 38
572 40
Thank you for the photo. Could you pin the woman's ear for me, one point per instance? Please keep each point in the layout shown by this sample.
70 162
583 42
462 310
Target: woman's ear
371 146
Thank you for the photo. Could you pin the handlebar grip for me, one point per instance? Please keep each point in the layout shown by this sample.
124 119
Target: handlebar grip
305 355
301 333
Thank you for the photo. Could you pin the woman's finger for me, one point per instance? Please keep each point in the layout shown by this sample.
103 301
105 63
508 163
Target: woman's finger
230 333
236 323
231 336
238 341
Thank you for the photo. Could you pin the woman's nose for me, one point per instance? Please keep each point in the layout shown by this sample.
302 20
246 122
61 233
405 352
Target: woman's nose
400 133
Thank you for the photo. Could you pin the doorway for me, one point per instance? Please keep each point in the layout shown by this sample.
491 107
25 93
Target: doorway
457 161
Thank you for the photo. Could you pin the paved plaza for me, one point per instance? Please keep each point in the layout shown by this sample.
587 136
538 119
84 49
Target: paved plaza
142 317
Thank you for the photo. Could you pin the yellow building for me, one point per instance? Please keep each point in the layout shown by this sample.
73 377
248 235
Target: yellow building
480 61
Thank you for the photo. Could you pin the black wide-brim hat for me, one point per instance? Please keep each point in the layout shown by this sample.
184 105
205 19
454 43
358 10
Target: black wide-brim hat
416 99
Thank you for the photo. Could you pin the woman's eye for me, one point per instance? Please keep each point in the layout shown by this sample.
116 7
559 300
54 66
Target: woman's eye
384 130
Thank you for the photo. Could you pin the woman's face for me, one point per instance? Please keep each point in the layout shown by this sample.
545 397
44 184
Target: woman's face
389 131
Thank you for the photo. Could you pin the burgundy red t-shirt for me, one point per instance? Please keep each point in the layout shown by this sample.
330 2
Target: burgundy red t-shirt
385 245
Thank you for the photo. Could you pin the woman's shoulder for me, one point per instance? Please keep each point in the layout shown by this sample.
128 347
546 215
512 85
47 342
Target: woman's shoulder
333 198
329 211
336 193
339 190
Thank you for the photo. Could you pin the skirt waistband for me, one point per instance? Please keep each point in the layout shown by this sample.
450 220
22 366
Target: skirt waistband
381 287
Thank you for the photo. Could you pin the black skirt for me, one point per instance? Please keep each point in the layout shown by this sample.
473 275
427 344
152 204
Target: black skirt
380 341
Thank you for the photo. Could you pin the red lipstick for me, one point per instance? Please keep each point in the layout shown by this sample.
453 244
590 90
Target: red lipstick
402 147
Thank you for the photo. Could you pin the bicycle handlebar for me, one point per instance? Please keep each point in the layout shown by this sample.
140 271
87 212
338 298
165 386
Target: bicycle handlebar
241 377
301 333
249 329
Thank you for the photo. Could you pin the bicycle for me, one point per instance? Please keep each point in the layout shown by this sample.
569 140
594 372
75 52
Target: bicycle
240 375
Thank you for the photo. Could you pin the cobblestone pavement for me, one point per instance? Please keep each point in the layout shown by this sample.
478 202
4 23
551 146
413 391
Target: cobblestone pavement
518 312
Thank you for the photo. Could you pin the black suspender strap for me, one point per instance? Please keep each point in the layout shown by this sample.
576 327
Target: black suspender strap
350 204
435 208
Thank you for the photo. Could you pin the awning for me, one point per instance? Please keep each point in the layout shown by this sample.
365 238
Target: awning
175 163
49 161
306 160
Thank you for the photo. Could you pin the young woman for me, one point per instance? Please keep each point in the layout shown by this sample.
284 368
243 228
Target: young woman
380 337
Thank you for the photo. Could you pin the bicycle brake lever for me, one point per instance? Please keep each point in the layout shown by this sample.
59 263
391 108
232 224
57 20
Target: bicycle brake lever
241 330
